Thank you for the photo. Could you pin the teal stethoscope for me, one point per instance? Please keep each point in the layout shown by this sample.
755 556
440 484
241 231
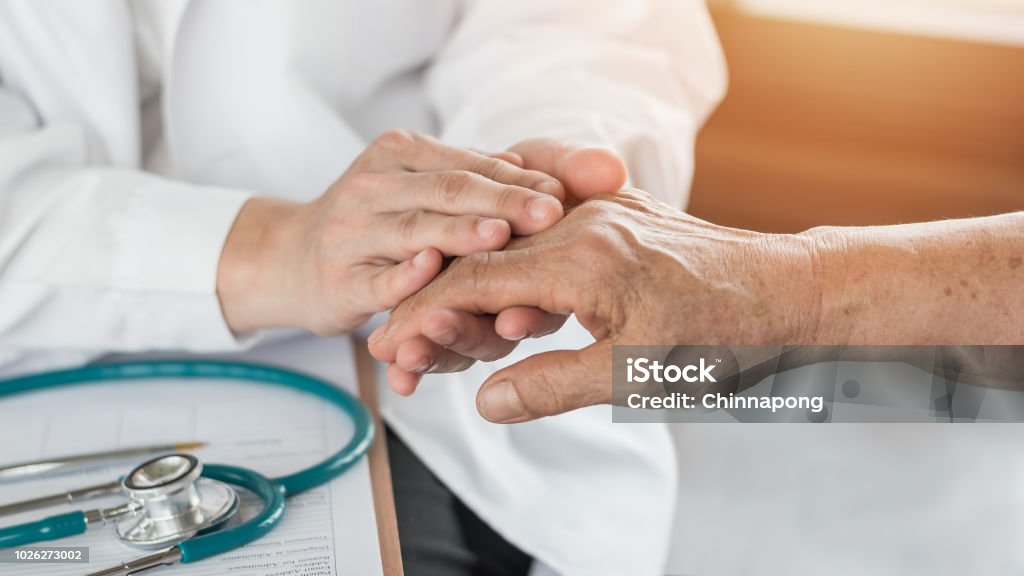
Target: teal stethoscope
175 503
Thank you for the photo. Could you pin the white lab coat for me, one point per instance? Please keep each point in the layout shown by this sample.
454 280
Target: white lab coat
131 132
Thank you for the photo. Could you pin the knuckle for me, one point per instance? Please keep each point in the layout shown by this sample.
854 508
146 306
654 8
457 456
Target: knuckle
468 274
604 246
409 225
633 194
453 186
595 239
592 209
508 199
395 140
634 200
488 167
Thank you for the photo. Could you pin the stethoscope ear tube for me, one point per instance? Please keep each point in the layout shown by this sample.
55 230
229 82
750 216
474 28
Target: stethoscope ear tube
51 528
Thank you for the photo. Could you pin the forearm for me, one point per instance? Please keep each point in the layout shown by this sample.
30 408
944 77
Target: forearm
950 282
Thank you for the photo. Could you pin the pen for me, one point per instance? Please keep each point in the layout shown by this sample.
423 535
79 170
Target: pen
26 469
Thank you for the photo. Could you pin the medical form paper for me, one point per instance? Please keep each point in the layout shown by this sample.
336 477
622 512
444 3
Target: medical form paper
330 530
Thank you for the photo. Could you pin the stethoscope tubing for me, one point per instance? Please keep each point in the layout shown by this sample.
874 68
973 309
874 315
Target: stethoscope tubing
49 528
272 495
271 491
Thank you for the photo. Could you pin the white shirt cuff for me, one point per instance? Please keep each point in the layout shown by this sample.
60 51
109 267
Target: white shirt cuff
167 260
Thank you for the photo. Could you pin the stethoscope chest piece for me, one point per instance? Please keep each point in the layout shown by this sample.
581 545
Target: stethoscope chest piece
174 502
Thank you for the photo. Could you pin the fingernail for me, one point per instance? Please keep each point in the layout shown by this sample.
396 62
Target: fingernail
488 229
516 337
549 187
421 260
541 208
499 402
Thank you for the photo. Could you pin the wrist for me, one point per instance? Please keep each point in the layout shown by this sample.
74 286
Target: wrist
792 278
834 314
252 273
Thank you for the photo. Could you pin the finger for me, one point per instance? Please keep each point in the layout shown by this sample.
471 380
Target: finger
463 193
451 336
444 157
389 285
547 384
585 171
402 382
483 283
401 236
521 322
469 335
421 356
417 152
510 157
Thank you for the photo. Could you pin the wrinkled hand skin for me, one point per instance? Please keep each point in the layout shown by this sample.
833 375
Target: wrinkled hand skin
634 271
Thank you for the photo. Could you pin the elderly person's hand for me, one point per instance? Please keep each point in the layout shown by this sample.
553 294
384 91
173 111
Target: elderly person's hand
633 271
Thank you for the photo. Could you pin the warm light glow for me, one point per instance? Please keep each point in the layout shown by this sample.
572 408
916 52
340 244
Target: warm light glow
999 21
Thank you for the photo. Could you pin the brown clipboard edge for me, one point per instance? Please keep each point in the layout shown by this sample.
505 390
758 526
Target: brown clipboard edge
380 469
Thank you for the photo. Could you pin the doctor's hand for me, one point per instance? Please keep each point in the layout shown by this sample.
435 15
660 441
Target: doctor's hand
454 340
633 271
377 235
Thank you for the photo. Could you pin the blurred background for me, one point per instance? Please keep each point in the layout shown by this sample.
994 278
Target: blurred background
864 112
855 112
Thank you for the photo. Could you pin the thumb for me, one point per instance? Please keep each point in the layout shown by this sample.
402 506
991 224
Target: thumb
585 171
548 383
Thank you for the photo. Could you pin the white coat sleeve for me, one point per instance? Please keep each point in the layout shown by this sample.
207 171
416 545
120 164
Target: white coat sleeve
96 259
639 76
